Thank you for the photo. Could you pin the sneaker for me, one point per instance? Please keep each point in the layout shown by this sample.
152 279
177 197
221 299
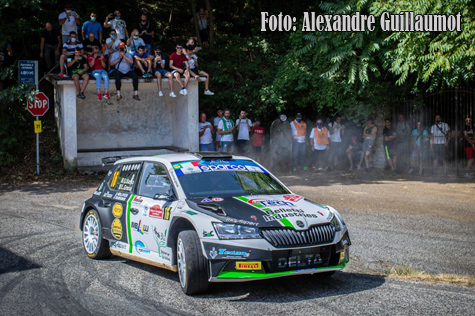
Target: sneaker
172 95
467 175
147 75
186 91
294 169
208 92
183 91
136 97
160 93
107 96
81 95
63 76
119 97
99 96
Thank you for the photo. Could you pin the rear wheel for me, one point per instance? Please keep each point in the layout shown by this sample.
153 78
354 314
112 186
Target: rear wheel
192 265
94 245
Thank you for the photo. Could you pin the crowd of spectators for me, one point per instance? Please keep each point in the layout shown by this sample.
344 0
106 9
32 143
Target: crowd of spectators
80 50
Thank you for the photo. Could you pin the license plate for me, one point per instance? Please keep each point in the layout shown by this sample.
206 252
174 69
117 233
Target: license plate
248 265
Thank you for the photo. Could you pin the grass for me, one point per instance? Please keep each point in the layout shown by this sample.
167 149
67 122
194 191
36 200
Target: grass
410 273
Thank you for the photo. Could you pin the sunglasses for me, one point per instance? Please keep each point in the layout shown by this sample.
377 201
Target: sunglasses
179 47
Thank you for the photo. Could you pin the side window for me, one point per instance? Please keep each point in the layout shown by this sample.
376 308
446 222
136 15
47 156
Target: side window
125 177
154 180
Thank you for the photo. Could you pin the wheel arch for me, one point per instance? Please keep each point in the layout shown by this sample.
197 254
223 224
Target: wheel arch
177 225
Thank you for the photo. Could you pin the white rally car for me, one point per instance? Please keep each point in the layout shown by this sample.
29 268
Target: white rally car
212 217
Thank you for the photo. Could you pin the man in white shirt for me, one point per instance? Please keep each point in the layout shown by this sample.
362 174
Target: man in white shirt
225 129
319 142
206 134
118 25
337 131
244 127
69 21
216 122
439 141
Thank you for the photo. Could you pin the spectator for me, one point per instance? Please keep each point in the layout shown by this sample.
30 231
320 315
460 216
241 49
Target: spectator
192 42
50 45
225 129
299 129
97 62
146 31
123 63
403 131
135 42
280 143
439 141
78 67
244 127
112 44
389 143
469 146
206 134
420 139
337 131
92 26
257 138
194 70
69 52
118 25
219 116
203 25
354 151
69 21
320 144
143 61
159 71
179 66
369 136
90 43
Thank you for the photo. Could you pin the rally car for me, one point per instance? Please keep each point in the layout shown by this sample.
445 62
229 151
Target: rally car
211 217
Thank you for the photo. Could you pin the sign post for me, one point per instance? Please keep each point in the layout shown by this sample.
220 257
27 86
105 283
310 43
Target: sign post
28 72
38 108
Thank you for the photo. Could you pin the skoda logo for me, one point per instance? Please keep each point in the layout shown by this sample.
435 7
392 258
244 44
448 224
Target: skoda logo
300 224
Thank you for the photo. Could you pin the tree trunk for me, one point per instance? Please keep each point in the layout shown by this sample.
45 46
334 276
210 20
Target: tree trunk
211 24
195 20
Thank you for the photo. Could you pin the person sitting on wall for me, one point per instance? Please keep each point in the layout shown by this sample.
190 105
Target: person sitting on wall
90 42
68 53
123 63
194 70
134 42
159 71
78 69
97 62
143 61
179 66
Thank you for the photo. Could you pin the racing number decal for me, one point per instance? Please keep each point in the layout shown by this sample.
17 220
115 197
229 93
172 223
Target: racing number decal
114 179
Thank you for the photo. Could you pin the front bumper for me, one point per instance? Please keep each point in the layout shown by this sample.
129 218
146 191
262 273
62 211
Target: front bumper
231 263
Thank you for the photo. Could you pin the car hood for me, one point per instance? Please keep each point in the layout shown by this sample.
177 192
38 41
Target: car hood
287 210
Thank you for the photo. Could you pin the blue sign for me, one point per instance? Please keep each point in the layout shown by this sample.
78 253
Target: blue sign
28 71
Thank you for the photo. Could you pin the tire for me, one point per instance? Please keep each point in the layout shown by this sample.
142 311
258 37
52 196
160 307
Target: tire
94 245
324 275
192 265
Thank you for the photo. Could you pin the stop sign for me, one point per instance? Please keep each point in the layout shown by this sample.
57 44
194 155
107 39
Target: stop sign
39 106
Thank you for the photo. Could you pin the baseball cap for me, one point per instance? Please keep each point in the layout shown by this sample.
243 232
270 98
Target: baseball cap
121 45
298 115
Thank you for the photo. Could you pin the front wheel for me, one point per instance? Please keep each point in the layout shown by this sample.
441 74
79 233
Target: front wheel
192 265
94 245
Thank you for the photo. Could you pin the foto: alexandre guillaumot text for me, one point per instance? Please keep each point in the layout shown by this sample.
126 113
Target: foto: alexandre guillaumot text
401 22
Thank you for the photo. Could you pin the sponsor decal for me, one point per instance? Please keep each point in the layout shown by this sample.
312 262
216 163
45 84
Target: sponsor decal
300 224
248 265
239 221
118 245
125 187
300 261
165 254
283 213
98 191
190 212
217 199
140 247
117 210
137 200
114 179
160 239
206 200
127 181
269 203
140 227
134 211
213 253
216 165
108 195
156 212
293 197
166 214
116 229
233 253
121 196
254 217
320 213
208 234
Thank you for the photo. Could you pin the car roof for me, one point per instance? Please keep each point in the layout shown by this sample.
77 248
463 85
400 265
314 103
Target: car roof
173 158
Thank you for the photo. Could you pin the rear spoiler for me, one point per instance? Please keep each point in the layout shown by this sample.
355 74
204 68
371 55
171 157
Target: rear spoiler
208 155
107 161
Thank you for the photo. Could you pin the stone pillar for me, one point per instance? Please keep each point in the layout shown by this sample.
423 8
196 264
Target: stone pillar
65 113
185 120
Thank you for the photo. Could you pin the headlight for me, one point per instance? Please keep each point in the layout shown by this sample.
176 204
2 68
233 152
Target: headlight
233 231
335 222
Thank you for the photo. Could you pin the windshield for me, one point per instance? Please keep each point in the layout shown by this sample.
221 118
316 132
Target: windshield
225 178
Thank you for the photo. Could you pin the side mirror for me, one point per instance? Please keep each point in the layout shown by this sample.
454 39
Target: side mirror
163 196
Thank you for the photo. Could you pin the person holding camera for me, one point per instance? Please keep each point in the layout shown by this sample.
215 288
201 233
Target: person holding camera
78 67
123 63
159 71
68 53
118 25
97 62
69 21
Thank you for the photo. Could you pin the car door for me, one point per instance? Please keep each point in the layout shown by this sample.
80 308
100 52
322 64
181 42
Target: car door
150 213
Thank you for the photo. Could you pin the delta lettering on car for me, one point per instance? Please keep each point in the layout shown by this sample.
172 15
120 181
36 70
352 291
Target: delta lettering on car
174 215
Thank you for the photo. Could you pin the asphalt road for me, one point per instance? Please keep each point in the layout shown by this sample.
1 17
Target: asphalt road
428 225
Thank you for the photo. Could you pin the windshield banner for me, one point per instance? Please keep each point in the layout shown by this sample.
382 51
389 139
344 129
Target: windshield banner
197 166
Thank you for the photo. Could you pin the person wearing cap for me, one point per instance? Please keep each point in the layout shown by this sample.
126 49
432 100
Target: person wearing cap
146 31
369 136
123 62
179 66
97 64
118 25
299 129
92 26
69 21
159 71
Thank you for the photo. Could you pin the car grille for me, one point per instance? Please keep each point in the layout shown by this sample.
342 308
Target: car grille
288 237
